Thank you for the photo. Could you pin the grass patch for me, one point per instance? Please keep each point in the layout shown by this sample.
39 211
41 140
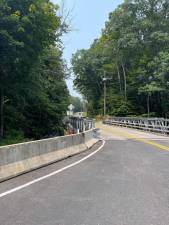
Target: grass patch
13 137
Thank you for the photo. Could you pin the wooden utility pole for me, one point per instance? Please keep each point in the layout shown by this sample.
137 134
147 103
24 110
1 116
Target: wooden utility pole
105 92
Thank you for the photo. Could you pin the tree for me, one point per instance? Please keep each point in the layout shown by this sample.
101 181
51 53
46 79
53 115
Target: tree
47 105
133 47
26 29
77 103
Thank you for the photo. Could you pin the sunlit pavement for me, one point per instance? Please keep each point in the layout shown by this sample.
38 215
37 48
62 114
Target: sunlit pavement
125 183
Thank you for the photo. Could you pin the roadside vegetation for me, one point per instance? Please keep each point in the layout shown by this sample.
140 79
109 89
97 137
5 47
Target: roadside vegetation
33 92
79 104
133 53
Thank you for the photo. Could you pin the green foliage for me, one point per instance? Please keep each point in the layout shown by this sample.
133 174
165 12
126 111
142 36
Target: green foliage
33 91
77 103
133 52
119 107
48 104
13 137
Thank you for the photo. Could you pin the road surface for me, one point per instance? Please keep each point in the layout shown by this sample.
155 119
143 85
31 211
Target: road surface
124 181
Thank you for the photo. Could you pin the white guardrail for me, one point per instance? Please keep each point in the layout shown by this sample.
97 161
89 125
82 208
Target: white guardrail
159 125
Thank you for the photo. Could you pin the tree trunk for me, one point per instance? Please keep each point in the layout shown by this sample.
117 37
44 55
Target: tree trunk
1 114
148 105
125 82
119 79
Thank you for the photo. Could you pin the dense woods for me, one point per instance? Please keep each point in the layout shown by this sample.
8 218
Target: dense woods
133 51
33 91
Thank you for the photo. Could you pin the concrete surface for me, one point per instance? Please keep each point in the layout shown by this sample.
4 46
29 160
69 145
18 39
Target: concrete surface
125 183
24 157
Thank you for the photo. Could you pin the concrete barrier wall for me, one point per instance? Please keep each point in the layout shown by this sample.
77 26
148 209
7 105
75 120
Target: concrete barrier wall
24 157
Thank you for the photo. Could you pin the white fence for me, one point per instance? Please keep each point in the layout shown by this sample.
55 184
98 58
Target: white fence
159 125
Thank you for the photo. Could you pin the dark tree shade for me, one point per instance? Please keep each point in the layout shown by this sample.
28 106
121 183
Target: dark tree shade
33 92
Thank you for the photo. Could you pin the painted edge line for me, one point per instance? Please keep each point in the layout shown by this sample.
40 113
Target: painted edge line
51 174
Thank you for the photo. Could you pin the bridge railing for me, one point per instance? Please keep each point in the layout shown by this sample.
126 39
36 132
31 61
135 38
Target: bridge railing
159 125
78 125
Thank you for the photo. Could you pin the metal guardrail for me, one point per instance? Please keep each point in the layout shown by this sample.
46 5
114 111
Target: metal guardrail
77 125
159 125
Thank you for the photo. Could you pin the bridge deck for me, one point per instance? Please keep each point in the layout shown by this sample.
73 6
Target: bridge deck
125 183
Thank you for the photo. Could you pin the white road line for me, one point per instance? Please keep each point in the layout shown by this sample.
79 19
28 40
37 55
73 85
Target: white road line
50 174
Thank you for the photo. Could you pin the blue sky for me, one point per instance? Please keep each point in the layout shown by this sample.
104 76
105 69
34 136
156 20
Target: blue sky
88 19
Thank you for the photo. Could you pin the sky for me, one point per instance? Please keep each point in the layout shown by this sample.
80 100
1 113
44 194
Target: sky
87 20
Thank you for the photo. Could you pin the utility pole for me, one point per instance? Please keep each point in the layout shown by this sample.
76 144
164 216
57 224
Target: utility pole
105 92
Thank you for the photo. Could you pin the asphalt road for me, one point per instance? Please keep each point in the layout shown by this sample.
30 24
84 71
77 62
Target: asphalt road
125 183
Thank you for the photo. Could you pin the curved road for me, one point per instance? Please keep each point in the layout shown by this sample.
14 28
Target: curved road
124 182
